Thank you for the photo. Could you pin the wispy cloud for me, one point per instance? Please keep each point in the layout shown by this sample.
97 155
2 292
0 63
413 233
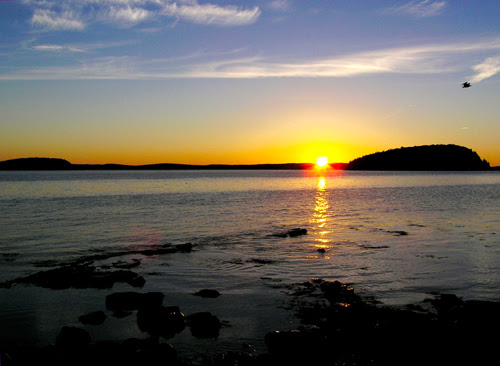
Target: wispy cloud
56 48
424 8
52 15
127 15
212 14
486 69
426 59
280 5
51 20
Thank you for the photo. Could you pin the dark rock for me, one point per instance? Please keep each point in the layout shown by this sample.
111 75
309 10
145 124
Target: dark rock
95 318
204 325
79 276
72 338
120 301
398 232
127 265
138 281
321 250
151 251
184 248
261 261
291 233
207 293
296 232
339 293
165 321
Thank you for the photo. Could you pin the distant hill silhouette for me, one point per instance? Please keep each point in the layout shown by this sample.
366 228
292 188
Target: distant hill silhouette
428 157
61 164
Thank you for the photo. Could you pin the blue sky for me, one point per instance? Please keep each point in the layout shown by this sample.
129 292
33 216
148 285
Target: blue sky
245 81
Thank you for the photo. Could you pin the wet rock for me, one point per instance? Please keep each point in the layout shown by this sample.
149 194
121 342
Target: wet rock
207 293
291 233
165 321
338 293
95 318
398 232
137 281
79 276
127 265
72 338
204 325
123 301
296 232
184 248
89 259
261 261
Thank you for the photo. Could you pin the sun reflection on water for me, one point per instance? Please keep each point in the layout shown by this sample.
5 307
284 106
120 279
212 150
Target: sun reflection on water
320 217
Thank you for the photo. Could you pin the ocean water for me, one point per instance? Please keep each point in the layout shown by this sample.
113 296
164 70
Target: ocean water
398 236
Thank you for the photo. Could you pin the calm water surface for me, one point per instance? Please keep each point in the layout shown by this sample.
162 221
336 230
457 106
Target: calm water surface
452 222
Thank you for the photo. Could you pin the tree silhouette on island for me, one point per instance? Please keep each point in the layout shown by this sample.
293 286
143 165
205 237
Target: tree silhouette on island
417 158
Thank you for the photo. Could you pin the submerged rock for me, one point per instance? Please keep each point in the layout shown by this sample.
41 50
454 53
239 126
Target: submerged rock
207 293
291 233
79 276
398 232
127 265
95 318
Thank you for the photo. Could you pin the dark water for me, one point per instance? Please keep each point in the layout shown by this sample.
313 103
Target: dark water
398 236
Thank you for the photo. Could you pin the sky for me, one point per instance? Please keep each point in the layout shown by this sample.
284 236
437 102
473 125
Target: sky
246 82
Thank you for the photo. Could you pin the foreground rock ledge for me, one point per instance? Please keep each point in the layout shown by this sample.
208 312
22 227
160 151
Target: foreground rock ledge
339 328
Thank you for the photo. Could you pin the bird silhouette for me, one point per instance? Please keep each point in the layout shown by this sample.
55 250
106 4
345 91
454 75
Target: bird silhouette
466 85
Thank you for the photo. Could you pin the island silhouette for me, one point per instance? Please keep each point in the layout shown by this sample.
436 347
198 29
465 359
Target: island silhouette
416 158
421 158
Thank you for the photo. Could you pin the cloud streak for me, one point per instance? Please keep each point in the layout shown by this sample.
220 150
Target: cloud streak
210 14
127 15
427 59
486 69
421 9
51 15
51 20
56 48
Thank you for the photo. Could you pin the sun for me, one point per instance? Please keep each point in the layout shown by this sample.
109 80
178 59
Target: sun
322 161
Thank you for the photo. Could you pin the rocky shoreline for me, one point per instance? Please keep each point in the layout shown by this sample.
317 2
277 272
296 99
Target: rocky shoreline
339 327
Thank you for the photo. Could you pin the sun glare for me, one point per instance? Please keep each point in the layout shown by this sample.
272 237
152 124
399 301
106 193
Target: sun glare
322 161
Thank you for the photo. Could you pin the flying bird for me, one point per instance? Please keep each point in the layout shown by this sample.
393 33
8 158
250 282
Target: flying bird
466 85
